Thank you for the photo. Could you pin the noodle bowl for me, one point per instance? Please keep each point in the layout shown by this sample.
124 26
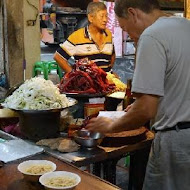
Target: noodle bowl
36 167
39 169
60 180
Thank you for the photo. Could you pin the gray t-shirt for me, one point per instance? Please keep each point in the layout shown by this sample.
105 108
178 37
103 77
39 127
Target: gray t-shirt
163 69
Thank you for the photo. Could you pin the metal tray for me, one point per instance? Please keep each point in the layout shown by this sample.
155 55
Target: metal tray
79 95
13 148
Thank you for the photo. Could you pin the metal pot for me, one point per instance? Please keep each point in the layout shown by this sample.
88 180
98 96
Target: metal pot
39 124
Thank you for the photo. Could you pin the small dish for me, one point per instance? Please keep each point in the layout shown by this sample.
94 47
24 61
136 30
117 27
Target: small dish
33 169
54 180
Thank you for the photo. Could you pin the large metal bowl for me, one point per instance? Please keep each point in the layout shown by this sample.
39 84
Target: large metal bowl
41 124
87 138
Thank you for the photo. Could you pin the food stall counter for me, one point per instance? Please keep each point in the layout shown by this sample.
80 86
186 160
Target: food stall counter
12 179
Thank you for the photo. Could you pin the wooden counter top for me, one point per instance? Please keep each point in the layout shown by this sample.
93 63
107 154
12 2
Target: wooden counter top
12 179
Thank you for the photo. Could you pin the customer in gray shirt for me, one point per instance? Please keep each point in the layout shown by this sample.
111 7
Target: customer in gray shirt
162 90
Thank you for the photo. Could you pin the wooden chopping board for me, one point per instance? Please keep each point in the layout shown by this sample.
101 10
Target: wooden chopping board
124 137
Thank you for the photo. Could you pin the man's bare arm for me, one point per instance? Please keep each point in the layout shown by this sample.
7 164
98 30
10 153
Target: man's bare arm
62 62
112 59
143 109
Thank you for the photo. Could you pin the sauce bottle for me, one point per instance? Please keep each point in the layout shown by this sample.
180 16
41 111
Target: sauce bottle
128 99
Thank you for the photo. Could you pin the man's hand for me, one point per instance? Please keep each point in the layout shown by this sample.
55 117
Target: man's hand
100 124
142 110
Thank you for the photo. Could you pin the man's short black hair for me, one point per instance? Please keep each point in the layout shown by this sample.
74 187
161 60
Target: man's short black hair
145 5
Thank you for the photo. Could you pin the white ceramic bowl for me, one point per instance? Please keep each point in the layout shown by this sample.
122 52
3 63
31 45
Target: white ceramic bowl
46 177
22 167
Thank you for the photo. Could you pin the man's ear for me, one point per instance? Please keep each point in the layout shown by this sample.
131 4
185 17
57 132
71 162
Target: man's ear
90 18
132 13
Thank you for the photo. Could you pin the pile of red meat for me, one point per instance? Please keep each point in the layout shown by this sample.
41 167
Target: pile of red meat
86 77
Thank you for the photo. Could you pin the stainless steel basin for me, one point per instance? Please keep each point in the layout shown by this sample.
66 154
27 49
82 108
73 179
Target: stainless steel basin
88 139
